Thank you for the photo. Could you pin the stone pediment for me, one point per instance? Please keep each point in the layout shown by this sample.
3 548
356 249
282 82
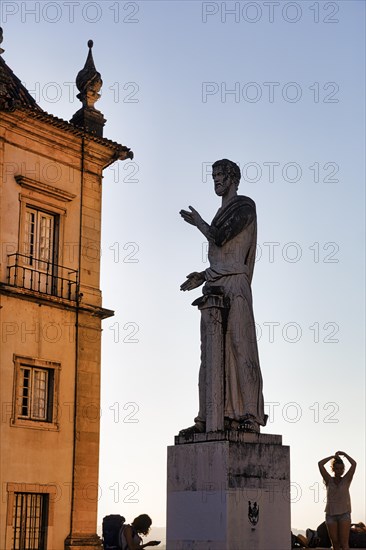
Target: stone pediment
44 188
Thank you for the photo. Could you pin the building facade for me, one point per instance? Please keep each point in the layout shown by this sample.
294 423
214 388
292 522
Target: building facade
50 315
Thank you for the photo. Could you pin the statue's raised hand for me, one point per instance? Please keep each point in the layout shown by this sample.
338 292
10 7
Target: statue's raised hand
194 280
192 217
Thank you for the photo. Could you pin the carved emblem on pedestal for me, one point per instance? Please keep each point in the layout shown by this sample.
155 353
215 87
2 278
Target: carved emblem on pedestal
253 513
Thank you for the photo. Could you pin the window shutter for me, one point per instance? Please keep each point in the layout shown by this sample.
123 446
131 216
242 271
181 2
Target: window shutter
30 234
39 401
45 238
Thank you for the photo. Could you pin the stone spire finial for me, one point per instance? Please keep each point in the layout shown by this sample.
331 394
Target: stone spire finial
89 83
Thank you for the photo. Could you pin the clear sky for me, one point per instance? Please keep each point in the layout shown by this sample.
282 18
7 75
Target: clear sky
279 88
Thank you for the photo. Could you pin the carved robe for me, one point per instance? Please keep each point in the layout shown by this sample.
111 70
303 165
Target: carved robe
231 253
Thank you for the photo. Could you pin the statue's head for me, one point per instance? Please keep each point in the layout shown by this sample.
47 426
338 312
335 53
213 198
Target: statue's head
230 171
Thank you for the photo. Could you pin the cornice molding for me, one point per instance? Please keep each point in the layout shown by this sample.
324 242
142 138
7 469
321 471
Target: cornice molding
45 189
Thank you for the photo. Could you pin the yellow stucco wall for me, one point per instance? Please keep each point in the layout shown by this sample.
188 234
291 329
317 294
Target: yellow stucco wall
43 328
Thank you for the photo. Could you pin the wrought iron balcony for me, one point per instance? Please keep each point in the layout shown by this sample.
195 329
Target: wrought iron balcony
30 273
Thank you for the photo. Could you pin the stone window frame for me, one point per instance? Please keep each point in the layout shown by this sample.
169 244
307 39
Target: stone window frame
38 488
47 198
30 202
35 363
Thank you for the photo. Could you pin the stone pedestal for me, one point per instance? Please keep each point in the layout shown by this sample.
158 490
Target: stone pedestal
228 491
83 542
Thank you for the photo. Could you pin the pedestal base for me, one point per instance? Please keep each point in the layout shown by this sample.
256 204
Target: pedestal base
83 542
228 491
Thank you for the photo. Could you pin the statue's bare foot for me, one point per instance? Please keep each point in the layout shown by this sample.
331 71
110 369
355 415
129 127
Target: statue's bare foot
197 428
249 425
230 424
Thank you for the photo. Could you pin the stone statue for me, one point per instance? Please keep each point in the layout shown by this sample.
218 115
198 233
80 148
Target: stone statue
230 380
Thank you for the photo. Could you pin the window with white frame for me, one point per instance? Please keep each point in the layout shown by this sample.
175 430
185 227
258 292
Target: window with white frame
35 400
37 265
40 238
35 395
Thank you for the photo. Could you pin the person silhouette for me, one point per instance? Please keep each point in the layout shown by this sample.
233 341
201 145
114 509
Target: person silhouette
131 534
338 506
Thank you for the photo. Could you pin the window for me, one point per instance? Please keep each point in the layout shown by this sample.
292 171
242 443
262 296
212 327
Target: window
30 521
30 511
35 266
40 239
35 393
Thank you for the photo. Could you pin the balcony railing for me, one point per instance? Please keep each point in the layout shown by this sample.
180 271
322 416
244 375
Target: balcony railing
43 276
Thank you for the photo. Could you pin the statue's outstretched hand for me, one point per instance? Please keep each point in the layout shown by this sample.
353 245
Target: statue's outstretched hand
192 217
194 280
